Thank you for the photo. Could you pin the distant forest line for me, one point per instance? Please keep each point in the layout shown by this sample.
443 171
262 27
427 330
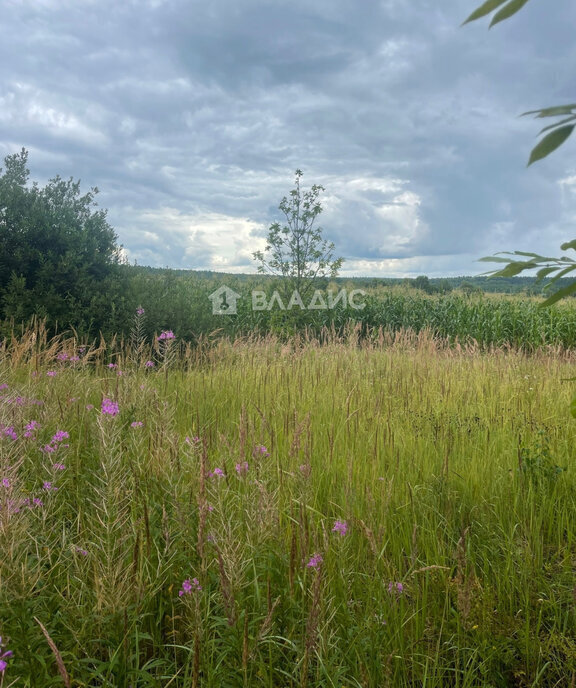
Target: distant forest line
491 312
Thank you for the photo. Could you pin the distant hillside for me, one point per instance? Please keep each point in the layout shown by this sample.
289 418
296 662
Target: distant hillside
493 285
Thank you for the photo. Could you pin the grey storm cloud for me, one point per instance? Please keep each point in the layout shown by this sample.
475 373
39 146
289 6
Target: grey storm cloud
192 117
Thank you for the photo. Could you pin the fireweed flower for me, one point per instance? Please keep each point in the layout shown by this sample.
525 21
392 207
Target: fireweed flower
59 467
5 482
149 364
340 527
81 551
136 424
30 428
166 334
260 450
194 441
62 357
216 473
140 311
10 432
59 436
3 657
51 373
112 365
242 468
398 588
189 585
315 561
109 407
48 486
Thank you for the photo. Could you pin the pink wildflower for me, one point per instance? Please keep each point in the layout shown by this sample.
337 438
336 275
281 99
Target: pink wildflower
242 468
109 407
340 527
189 585
315 561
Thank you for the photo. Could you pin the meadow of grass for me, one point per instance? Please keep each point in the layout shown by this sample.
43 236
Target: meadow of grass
384 511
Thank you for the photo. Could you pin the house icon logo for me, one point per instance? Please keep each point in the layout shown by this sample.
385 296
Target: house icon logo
224 301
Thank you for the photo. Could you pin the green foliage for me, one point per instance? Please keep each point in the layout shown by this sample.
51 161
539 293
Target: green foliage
550 269
510 8
58 255
295 250
537 464
412 445
558 131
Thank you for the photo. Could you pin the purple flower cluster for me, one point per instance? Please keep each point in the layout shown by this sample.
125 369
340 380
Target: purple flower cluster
19 401
216 473
3 657
315 561
189 585
14 507
140 311
63 357
166 334
260 450
8 431
340 527
109 407
242 468
395 587
149 364
30 429
136 424
56 442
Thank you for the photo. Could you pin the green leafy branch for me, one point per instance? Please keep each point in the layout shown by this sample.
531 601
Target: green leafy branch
552 269
559 131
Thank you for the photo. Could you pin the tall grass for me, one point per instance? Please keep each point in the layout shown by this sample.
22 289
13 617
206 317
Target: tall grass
231 463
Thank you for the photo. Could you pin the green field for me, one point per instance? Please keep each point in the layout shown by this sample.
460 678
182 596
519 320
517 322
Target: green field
391 510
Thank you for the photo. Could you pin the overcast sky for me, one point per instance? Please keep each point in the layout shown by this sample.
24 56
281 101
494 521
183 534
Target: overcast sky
191 118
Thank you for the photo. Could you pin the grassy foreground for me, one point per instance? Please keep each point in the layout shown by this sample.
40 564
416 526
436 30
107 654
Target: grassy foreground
387 513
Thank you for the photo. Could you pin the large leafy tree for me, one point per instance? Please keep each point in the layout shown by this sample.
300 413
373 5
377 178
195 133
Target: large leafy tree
295 249
59 257
553 136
